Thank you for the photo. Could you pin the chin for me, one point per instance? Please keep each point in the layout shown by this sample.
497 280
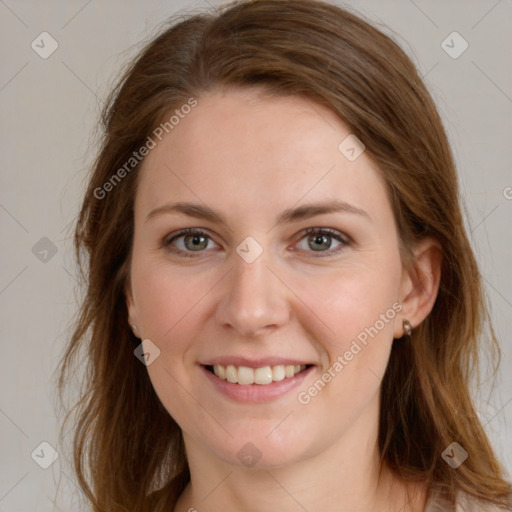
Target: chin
263 450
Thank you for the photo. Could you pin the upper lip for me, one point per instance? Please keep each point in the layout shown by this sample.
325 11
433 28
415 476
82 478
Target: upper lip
254 363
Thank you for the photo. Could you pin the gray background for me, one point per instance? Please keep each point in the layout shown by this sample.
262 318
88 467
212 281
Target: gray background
49 108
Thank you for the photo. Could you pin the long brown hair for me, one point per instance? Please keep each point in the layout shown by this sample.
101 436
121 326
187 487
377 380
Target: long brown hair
128 451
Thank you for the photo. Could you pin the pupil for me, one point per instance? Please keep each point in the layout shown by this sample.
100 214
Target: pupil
319 239
197 240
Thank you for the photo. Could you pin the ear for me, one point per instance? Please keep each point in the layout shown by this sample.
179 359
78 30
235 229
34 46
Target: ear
420 283
130 304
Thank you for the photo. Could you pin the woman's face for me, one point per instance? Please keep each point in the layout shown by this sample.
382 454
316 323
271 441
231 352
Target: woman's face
250 294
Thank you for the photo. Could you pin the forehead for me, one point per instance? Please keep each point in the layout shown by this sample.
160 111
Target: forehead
241 148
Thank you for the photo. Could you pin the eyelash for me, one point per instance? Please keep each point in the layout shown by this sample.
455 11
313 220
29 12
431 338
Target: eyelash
344 240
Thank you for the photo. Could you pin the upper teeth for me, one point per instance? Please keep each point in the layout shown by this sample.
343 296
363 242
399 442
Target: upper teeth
265 375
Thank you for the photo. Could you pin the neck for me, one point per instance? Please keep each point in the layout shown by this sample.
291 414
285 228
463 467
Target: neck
346 477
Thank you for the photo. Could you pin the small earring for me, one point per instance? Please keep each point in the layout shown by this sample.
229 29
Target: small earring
134 327
407 327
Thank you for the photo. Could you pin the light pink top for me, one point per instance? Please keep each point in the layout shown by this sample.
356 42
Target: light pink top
464 503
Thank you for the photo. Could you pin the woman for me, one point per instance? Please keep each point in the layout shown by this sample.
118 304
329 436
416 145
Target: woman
283 308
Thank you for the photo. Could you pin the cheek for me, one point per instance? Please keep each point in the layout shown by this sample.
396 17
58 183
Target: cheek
361 310
168 301
357 309
168 308
352 303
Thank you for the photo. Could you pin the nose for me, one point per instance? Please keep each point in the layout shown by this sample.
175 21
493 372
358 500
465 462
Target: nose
254 300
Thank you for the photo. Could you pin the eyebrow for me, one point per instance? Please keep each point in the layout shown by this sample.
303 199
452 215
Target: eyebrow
199 211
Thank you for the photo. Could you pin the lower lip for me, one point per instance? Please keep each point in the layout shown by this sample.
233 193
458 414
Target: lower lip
256 393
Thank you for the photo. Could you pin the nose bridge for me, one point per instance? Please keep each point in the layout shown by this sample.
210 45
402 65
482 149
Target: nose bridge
254 300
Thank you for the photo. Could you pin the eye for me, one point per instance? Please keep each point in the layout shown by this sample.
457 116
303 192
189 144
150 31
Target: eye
191 240
321 239
187 241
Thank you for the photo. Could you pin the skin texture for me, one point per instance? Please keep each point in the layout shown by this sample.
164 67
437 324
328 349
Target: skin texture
250 157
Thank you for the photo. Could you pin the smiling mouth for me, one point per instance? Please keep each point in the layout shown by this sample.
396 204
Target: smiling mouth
263 376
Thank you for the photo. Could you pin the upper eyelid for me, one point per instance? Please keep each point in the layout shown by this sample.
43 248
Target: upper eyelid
187 231
330 231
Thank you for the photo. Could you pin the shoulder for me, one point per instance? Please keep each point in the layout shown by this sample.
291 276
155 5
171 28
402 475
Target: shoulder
464 503
467 503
